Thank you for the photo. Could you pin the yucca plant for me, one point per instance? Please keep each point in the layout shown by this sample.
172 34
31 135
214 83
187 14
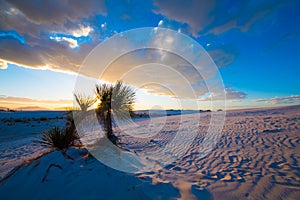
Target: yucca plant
84 102
123 99
115 99
57 138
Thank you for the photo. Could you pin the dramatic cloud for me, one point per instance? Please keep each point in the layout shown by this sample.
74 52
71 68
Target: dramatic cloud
194 12
45 33
212 18
57 11
215 16
280 100
58 34
172 71
62 40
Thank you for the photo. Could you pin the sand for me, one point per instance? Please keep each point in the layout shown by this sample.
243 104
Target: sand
18 130
256 157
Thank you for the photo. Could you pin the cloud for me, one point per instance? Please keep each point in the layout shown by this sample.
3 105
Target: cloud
280 100
34 23
72 42
169 71
259 100
48 55
57 11
3 64
195 13
231 94
61 44
82 31
223 55
16 102
57 35
7 99
160 23
165 73
211 18
215 16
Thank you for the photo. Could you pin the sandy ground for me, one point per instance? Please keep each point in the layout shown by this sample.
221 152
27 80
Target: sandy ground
256 157
18 130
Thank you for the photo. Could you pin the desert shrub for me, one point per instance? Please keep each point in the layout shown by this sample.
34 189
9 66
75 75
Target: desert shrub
18 120
58 138
44 118
24 120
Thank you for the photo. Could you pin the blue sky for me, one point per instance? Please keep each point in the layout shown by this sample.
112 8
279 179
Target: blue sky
255 45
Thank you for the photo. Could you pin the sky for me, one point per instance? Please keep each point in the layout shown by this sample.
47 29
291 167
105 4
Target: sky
254 44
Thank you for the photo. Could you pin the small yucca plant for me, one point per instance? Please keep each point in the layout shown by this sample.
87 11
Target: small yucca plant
58 138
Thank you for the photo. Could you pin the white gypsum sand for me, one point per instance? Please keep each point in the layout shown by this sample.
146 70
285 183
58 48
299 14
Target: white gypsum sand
257 157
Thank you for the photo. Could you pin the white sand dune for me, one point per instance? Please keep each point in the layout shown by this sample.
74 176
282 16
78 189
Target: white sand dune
18 130
256 157
55 176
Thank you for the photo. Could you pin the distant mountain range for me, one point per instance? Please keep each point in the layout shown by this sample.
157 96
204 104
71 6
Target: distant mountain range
3 109
24 108
31 108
